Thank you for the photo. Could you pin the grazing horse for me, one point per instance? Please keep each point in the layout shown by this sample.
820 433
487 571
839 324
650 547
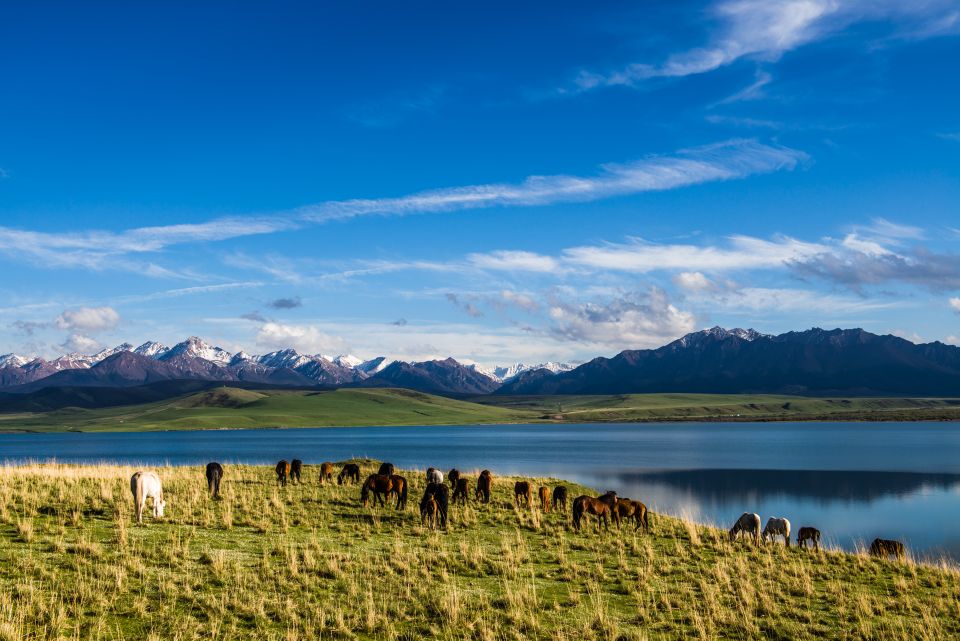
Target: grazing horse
436 498
453 476
349 473
560 498
461 491
399 487
883 548
776 527
296 467
590 505
434 475
214 474
283 471
326 472
522 493
610 498
749 524
544 493
627 509
811 534
386 469
380 484
484 486
145 485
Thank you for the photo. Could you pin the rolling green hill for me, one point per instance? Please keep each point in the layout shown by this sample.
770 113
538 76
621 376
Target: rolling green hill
228 407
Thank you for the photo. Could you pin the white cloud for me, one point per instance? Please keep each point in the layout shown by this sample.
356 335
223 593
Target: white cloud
692 281
519 300
522 261
88 319
955 304
766 29
80 344
633 320
789 301
952 340
308 339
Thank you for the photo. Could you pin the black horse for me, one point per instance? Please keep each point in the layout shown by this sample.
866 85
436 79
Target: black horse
453 476
214 474
349 474
296 467
439 493
386 469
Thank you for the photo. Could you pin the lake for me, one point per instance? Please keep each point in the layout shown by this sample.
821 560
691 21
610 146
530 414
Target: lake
854 481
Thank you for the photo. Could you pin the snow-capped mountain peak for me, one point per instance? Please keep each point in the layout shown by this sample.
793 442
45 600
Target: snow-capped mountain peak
152 349
110 351
194 347
347 360
13 360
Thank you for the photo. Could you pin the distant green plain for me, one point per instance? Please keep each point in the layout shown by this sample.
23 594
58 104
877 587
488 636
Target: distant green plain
234 408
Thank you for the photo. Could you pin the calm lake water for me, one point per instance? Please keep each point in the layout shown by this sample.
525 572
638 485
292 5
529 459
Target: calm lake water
854 481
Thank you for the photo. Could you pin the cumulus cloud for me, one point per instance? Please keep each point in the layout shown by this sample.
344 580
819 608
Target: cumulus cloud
955 304
286 303
304 338
88 319
80 344
692 281
633 320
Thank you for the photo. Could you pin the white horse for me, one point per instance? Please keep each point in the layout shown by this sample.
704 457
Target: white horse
434 475
143 485
777 527
749 524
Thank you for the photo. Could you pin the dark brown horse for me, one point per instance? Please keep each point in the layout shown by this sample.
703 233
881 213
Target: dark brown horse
883 548
610 498
544 493
434 503
283 471
627 509
380 485
560 498
589 505
214 474
400 489
461 491
350 473
811 534
522 493
296 467
386 469
484 486
453 476
326 472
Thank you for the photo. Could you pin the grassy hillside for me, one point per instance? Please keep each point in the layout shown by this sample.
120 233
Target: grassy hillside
227 407
748 407
308 562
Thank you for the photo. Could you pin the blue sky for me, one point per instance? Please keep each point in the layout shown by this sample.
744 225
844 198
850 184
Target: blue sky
487 181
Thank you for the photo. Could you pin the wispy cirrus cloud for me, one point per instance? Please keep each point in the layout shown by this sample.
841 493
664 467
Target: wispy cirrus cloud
99 250
766 29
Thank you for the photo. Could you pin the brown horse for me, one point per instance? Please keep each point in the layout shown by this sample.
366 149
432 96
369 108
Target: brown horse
283 471
627 509
522 493
429 511
560 498
610 498
214 474
811 534
380 484
461 491
400 489
590 505
296 467
386 469
544 498
349 473
453 476
484 486
883 548
326 472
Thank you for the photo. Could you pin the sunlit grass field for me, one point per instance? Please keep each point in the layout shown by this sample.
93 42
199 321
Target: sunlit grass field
308 562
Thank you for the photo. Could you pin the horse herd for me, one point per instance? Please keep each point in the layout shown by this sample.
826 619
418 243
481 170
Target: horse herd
387 485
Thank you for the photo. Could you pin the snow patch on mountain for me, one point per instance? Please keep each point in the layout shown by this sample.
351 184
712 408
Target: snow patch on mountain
194 347
152 349
13 360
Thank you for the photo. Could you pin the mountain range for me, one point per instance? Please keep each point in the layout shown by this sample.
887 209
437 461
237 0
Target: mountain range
811 362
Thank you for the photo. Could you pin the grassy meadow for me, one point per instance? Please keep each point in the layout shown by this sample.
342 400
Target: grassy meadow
308 562
236 408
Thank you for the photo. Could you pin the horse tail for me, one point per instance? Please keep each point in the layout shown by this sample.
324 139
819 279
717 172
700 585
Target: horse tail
577 514
138 495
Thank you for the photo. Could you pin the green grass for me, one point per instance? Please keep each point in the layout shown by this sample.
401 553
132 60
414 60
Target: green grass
308 562
747 407
238 408
229 407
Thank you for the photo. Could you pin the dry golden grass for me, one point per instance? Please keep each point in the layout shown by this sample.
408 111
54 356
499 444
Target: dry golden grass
308 562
